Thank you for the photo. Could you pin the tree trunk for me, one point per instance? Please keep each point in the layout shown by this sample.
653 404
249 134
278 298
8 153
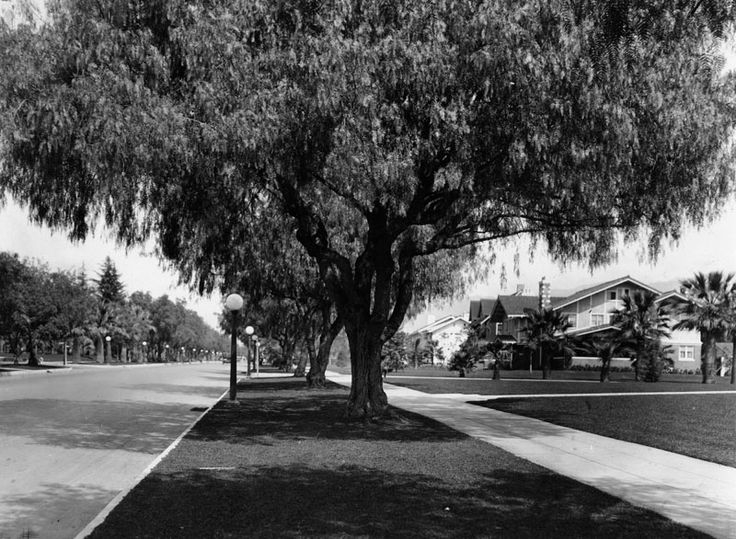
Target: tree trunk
301 366
76 349
708 356
367 399
546 366
606 370
733 358
328 334
108 351
100 349
461 372
497 370
32 355
124 353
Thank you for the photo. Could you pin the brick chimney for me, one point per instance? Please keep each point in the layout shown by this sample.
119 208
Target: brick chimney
544 297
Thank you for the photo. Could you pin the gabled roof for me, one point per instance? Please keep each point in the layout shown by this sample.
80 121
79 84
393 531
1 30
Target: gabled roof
670 295
515 305
438 324
474 309
600 288
480 308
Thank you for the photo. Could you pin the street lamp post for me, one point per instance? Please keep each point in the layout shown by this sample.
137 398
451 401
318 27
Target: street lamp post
145 357
233 303
255 352
248 331
108 349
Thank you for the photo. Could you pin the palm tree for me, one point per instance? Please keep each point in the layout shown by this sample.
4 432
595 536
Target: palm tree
642 321
546 332
604 349
708 308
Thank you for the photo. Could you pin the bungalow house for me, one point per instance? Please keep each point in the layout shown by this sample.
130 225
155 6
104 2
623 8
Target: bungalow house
449 332
589 311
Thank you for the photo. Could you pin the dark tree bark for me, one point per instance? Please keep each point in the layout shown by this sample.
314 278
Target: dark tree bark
733 358
546 364
100 349
707 361
367 398
497 370
328 333
32 355
76 349
606 370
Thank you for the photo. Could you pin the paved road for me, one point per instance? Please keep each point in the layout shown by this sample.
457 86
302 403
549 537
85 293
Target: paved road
69 442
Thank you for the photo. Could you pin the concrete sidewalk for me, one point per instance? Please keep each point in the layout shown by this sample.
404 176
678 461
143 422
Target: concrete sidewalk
699 494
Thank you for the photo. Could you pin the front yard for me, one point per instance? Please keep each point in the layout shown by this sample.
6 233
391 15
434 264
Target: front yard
702 425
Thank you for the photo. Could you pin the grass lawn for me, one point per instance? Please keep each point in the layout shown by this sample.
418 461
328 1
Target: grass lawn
700 426
558 385
285 464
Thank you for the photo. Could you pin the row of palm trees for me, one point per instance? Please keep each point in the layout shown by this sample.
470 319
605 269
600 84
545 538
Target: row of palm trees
708 305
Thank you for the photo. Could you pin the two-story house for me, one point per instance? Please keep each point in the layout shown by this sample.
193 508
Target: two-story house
589 311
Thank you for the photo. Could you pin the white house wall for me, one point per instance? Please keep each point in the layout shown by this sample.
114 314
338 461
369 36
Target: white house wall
450 337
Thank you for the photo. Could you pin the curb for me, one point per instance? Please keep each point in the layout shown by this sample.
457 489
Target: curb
28 372
102 515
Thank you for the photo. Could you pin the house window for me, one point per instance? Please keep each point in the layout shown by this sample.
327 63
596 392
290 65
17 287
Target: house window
572 318
626 292
686 353
597 319
612 295
499 328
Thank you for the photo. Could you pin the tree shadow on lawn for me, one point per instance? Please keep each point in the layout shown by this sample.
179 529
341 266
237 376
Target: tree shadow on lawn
302 501
286 410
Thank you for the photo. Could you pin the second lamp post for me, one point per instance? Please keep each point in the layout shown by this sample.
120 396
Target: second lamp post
233 303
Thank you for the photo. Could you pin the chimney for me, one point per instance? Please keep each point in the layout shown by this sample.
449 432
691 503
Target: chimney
544 298
519 289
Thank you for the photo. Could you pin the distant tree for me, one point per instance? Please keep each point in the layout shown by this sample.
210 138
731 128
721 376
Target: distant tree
31 307
439 355
12 274
464 359
545 333
604 348
110 288
707 308
110 294
393 354
643 322
75 305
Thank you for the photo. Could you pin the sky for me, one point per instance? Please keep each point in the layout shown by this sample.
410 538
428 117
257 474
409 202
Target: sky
712 248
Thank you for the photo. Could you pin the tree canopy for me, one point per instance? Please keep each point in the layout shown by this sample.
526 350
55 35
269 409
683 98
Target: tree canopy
383 132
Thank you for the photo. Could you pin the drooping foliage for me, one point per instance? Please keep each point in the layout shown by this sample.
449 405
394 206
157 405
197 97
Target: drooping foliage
385 131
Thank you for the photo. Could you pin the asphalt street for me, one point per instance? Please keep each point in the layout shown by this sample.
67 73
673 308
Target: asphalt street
71 441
